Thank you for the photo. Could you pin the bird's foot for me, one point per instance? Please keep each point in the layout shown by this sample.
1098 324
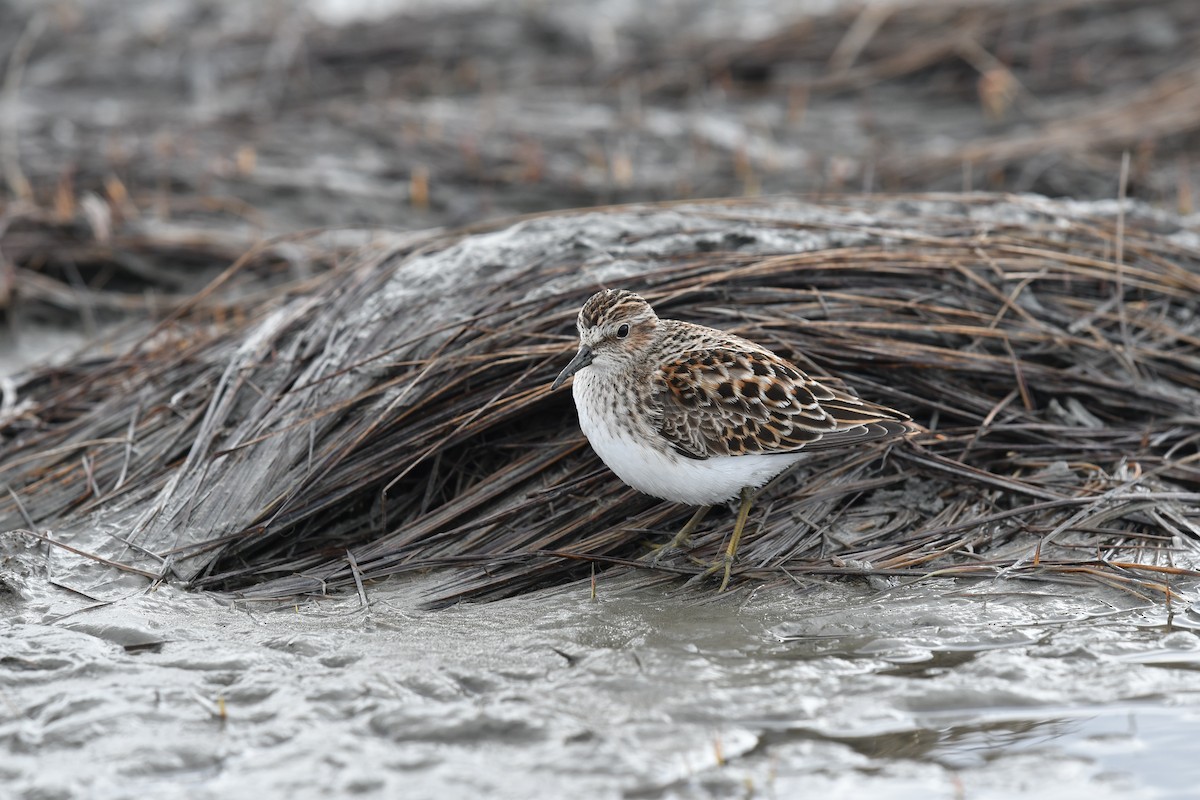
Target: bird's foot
670 548
681 540
723 565
727 564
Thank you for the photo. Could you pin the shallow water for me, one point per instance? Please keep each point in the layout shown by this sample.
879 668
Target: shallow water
933 690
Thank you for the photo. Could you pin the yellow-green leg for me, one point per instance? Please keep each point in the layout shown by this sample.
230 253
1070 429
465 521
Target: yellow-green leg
684 534
731 551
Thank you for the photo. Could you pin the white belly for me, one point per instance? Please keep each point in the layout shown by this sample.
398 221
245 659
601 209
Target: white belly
668 475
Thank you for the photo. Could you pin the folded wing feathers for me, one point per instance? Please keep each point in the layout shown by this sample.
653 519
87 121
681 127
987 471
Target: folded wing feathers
725 402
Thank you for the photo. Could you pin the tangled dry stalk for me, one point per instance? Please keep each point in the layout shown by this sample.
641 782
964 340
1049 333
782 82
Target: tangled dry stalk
394 415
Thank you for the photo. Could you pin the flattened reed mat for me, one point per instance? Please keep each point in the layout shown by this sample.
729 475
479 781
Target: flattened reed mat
394 414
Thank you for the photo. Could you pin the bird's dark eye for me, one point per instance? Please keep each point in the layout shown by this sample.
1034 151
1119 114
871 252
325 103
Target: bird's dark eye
623 331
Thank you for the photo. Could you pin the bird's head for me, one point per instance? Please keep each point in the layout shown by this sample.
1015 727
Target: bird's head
615 327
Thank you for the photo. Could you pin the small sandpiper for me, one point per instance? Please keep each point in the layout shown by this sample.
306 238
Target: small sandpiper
695 415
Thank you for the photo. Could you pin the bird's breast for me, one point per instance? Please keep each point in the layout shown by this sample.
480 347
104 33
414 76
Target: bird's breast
622 435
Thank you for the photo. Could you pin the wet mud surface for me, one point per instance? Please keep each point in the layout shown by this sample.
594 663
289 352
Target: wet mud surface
938 689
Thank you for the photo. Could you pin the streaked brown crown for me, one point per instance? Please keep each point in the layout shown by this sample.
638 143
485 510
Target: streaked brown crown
608 305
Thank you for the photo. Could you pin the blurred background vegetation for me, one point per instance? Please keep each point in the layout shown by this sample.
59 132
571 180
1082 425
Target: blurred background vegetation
145 144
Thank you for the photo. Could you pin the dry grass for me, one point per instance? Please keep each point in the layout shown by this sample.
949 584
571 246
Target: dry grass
1060 389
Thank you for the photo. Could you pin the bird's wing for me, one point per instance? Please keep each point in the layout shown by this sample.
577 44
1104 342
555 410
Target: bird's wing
728 402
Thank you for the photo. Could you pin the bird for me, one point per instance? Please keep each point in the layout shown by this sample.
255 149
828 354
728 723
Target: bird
699 416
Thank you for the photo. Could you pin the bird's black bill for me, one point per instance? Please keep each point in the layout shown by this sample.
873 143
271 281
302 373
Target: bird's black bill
581 360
